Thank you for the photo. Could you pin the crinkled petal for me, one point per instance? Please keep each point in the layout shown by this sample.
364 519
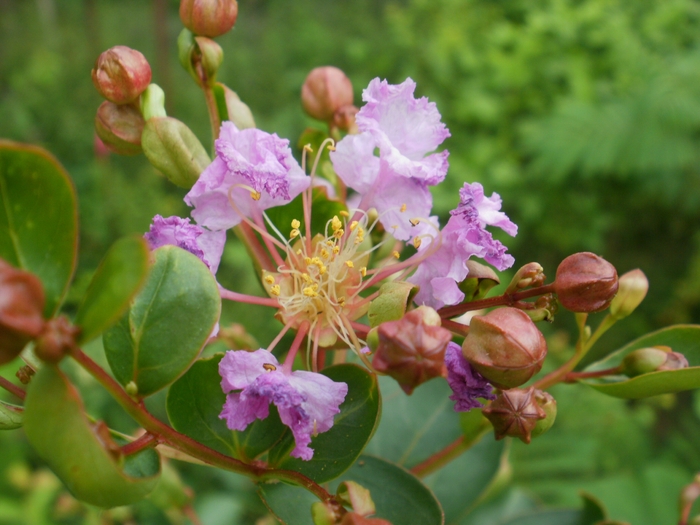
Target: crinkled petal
238 369
355 163
488 209
466 383
240 412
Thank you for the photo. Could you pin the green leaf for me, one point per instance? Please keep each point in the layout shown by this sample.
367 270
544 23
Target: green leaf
399 496
551 517
323 208
10 416
118 278
58 429
391 304
681 338
167 324
194 404
38 218
337 449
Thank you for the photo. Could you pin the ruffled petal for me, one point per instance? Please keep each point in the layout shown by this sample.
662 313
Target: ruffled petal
466 383
238 369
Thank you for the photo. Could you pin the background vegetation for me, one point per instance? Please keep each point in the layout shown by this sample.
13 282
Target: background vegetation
583 114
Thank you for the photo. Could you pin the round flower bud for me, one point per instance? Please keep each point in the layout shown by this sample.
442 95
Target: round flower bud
547 402
57 339
630 294
119 127
505 347
585 283
652 359
121 74
515 413
209 18
326 90
412 349
21 306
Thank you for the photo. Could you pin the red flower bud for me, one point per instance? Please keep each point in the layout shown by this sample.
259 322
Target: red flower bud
412 349
585 283
326 90
515 413
120 128
209 18
121 74
57 339
21 306
505 347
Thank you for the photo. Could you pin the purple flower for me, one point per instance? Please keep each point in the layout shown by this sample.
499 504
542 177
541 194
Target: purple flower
306 401
463 236
205 244
254 169
467 384
404 130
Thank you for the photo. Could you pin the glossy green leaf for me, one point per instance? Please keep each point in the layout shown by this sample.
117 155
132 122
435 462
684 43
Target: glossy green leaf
119 277
592 513
323 208
398 495
337 449
58 429
10 416
681 338
38 218
195 402
167 324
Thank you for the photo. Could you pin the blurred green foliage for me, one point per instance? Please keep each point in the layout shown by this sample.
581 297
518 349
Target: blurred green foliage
583 114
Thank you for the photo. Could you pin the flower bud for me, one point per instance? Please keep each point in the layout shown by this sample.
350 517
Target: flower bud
630 294
326 90
209 18
344 118
57 340
585 283
652 359
119 128
505 347
238 112
357 497
412 349
25 374
153 102
515 413
547 402
121 74
529 276
173 149
21 306
545 308
479 281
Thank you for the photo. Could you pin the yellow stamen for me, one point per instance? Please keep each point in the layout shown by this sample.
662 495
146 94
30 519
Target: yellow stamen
336 224
416 242
343 213
396 254
414 222
269 367
350 264
363 271
308 148
269 279
294 233
310 292
296 224
336 250
403 208
275 290
353 225
255 195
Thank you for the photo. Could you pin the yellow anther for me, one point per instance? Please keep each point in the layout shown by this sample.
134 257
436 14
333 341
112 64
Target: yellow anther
269 367
341 301
307 147
394 226
330 243
338 233
296 224
350 264
275 290
307 260
336 250
269 279
255 195
343 213
353 225
330 147
336 224
396 254
363 271
316 261
416 242
306 278
298 252
414 222
324 253
403 208
309 292
294 233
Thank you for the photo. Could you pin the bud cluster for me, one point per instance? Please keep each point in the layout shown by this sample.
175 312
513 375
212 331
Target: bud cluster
327 95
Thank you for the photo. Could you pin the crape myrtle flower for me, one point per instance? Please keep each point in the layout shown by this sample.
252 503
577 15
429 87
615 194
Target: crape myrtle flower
306 401
205 244
404 130
253 171
463 236
466 383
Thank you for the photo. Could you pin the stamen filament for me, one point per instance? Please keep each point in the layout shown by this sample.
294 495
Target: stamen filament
289 360
248 299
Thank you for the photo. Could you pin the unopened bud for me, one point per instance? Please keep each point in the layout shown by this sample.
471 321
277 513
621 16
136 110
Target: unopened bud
479 281
344 118
630 294
585 283
57 340
323 514
173 149
357 497
210 18
544 308
505 347
326 90
153 102
515 413
119 127
652 359
547 402
238 112
121 74
529 276
412 349
21 306
25 374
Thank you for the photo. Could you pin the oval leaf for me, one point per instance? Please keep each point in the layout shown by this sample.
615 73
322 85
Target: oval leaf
337 449
194 404
61 434
398 495
38 218
551 517
681 338
118 278
167 324
10 416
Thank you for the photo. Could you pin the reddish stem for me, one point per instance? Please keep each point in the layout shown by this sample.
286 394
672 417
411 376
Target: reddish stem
440 458
148 440
12 388
361 329
455 327
500 300
572 377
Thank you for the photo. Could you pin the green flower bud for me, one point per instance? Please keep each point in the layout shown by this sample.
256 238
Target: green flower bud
121 74
326 90
358 497
505 347
585 283
479 281
515 413
238 112
529 276
632 291
210 18
153 102
120 128
173 149
323 514
652 359
547 402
